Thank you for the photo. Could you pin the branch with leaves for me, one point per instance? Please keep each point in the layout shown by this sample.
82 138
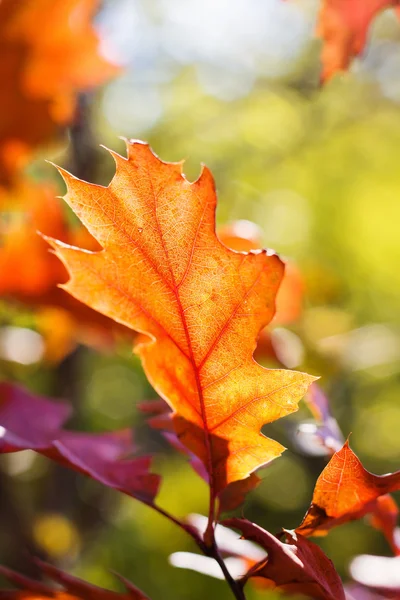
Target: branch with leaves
198 307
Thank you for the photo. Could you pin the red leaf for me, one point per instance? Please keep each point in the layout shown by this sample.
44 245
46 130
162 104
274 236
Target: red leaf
74 588
345 491
384 517
35 423
30 273
295 566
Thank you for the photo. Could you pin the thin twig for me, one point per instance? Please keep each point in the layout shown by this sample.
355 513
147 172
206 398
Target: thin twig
211 551
236 586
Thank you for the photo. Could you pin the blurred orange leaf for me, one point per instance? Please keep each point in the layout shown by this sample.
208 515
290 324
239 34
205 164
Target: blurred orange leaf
343 25
345 491
48 52
27 269
30 273
384 517
164 273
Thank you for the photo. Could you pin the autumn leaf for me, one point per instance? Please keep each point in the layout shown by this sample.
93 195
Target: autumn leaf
30 274
344 25
294 566
384 517
29 422
27 269
345 491
201 306
72 587
244 236
161 418
44 67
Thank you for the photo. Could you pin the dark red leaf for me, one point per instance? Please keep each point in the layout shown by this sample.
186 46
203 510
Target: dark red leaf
296 566
29 422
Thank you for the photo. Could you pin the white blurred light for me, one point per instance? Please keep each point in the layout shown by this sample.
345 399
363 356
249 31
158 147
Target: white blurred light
132 108
246 230
208 566
309 442
376 571
21 345
364 348
288 347
228 540
235 33
20 462
229 42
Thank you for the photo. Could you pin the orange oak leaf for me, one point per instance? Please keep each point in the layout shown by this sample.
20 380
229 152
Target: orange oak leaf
343 25
345 491
164 273
72 588
294 566
48 52
161 418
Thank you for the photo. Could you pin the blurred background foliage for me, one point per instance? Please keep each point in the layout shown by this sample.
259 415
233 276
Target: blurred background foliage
233 84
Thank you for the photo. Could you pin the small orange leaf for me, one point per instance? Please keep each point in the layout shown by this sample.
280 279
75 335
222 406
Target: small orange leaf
344 25
27 270
345 491
164 273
